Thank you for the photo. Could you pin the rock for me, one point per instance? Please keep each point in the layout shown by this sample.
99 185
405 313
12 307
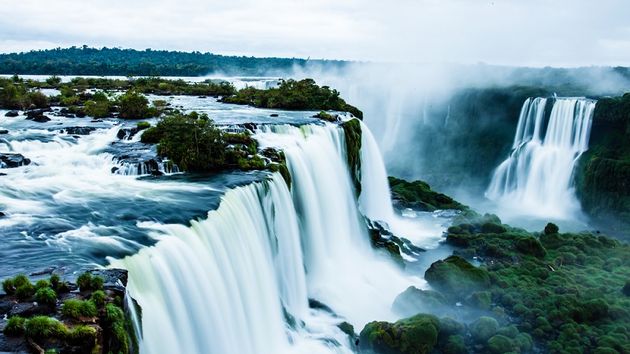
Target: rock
12 114
37 115
2 214
414 335
28 309
5 307
273 115
80 114
414 300
78 130
4 131
127 133
551 228
114 279
13 160
456 277
484 328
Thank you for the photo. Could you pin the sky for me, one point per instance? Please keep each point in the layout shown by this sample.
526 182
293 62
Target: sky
505 32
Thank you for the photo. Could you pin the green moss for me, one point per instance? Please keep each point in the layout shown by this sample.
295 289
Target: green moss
14 326
346 328
499 344
455 345
88 282
25 291
352 134
143 125
413 301
84 336
480 299
46 296
551 228
42 327
78 309
531 246
326 116
98 298
484 328
418 195
456 277
417 334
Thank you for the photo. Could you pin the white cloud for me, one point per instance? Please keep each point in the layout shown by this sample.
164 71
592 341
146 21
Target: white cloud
534 32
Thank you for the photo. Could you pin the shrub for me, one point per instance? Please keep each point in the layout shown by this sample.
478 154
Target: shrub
98 297
14 327
42 284
25 291
499 344
42 327
8 286
87 282
114 313
133 105
143 125
76 309
46 296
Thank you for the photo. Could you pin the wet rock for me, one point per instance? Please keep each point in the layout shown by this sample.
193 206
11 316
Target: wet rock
78 130
4 131
127 133
414 300
12 114
2 214
37 115
114 279
5 307
80 114
13 160
28 309
456 277
273 115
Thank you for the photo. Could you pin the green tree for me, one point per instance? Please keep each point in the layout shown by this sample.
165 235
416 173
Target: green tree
133 105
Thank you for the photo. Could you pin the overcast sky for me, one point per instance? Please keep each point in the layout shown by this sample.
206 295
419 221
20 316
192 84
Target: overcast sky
512 32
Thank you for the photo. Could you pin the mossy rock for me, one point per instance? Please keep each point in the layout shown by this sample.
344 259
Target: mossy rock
499 344
454 276
414 300
493 228
484 328
414 335
455 345
531 246
480 299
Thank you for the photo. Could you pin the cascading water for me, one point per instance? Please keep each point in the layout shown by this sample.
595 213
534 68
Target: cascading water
223 284
537 176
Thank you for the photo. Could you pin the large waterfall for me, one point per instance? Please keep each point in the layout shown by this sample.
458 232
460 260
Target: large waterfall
240 281
537 177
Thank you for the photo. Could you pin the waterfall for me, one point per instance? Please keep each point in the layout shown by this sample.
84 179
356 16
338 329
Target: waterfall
232 283
537 177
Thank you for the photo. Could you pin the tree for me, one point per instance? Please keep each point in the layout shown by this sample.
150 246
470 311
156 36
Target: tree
133 106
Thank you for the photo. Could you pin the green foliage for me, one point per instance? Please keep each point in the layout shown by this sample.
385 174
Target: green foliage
143 125
76 309
43 283
8 286
24 291
499 344
16 95
294 95
122 62
191 141
14 326
418 195
134 105
352 134
98 108
82 335
562 289
43 327
98 298
86 282
46 296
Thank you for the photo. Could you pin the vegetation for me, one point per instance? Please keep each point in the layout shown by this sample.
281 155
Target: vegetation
294 95
352 133
604 170
124 62
97 325
87 282
418 195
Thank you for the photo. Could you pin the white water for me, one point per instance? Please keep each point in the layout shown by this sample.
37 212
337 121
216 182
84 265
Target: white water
537 177
220 285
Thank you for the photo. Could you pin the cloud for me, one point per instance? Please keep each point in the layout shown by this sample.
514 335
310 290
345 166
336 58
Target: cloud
534 32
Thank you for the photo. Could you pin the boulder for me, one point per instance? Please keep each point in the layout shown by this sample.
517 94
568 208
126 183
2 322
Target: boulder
78 130
37 115
484 328
414 335
414 300
4 131
114 279
28 309
13 160
12 114
456 277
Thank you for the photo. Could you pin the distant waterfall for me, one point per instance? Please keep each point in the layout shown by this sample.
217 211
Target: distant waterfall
232 283
537 177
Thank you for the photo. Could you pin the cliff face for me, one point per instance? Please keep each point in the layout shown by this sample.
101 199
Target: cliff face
603 174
